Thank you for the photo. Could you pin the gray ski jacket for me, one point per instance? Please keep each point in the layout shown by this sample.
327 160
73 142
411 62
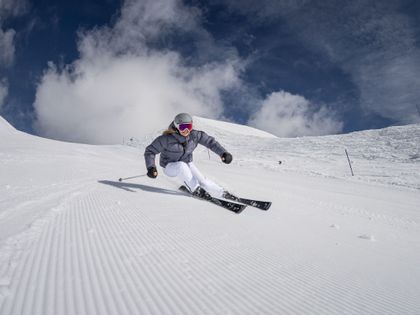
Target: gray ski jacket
175 147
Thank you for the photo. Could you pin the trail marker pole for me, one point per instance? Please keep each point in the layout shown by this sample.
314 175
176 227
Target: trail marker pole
348 159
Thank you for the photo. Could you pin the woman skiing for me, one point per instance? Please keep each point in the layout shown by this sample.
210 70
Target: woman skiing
176 146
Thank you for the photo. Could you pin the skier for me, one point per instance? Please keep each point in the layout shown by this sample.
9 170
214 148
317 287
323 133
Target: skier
176 146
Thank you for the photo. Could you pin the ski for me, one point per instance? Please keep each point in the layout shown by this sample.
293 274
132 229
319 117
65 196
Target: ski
231 206
263 205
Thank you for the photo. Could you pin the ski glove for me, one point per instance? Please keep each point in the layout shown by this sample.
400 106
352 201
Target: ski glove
226 157
152 172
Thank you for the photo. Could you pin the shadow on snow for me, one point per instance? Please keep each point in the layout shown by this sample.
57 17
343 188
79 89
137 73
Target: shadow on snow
133 187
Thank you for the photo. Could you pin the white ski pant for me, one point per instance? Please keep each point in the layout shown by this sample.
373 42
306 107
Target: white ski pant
189 175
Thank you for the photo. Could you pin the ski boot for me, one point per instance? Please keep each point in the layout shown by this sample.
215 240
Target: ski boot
201 193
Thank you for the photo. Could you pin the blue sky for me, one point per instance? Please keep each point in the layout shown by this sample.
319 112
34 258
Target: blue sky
96 71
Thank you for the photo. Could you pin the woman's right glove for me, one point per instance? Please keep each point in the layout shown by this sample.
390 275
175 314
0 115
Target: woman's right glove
152 172
226 157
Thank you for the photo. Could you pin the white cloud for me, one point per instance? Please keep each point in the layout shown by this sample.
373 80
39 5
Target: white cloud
372 41
7 47
140 24
12 8
391 88
377 48
4 89
263 11
8 9
121 86
287 115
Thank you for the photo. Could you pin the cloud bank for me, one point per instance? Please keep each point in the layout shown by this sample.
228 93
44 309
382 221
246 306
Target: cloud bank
104 100
287 115
123 85
127 82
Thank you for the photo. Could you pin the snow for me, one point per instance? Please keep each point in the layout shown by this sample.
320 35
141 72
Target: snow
227 128
75 240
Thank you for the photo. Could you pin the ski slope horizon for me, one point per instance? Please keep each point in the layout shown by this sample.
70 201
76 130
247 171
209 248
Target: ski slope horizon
74 240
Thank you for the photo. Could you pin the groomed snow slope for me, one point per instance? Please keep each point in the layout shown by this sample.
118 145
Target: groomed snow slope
74 240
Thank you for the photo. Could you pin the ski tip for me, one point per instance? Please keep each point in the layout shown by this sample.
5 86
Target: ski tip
267 206
240 211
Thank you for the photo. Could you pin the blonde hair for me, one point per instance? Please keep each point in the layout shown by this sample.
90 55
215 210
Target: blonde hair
169 131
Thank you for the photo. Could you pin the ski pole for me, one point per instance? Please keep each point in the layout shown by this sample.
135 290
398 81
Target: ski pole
121 179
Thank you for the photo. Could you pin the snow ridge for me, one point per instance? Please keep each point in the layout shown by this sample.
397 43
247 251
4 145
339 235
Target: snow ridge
389 156
5 127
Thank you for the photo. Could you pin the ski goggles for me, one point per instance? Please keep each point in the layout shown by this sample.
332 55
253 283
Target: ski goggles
183 127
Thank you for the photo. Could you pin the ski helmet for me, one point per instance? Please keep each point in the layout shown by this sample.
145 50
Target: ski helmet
183 121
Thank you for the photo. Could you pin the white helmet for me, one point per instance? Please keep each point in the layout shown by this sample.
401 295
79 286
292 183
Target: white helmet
183 121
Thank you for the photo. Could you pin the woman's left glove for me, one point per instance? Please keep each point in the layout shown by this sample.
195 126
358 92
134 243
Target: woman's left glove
226 157
152 172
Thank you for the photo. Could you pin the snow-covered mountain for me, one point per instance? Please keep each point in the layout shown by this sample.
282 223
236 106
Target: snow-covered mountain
75 240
